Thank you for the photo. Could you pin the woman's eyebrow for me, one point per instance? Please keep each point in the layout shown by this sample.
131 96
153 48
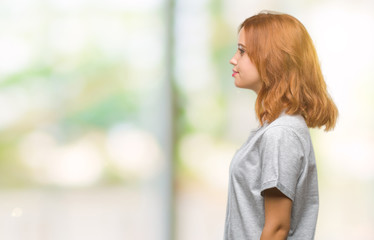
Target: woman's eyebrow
241 45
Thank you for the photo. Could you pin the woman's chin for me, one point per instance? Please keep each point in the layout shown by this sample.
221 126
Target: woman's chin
238 85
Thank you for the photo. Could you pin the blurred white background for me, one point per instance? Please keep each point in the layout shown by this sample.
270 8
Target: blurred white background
119 119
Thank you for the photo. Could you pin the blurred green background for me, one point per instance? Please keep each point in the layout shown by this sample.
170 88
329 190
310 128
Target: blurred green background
119 119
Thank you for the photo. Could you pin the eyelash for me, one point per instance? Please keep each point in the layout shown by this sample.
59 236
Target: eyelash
241 51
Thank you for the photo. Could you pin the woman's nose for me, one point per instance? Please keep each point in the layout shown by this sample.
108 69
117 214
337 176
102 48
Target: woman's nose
233 61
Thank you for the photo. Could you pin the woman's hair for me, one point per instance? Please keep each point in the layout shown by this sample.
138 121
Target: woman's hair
287 62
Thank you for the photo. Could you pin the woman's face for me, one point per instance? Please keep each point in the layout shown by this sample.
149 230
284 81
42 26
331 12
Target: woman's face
244 71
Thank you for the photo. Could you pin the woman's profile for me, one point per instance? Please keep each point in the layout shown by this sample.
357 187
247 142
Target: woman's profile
273 187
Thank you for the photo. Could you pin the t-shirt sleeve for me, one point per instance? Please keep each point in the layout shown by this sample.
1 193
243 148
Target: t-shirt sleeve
281 154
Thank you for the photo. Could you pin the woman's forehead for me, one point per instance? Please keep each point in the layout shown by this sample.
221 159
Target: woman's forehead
241 40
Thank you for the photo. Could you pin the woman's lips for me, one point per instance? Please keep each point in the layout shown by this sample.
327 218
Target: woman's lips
234 72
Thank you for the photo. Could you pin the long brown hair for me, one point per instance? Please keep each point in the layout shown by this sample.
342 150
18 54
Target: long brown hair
287 62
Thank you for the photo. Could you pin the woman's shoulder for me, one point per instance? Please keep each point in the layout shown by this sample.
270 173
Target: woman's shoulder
288 125
292 121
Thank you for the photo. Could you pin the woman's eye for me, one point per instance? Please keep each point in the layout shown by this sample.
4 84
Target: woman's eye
241 51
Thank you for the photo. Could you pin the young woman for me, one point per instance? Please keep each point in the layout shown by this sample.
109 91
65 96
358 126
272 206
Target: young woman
273 188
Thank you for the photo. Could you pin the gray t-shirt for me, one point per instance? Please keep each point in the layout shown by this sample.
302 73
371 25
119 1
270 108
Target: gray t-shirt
281 155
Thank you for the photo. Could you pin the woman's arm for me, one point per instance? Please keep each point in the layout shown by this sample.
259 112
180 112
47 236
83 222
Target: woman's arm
277 215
